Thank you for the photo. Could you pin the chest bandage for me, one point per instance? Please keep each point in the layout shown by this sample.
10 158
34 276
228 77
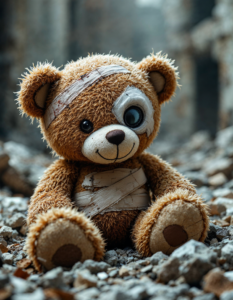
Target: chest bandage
121 189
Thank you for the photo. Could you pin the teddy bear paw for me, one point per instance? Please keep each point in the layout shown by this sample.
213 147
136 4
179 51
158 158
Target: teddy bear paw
66 239
177 223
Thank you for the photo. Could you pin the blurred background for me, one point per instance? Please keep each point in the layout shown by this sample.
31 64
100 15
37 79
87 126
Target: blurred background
197 34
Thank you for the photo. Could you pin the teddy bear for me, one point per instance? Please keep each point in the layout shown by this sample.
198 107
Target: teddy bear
99 114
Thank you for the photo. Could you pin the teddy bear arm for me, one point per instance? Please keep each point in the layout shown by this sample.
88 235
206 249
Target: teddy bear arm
54 189
161 177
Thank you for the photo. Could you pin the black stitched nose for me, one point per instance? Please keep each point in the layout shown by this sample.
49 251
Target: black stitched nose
115 137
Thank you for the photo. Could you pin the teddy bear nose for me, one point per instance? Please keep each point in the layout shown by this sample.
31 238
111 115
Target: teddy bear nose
115 136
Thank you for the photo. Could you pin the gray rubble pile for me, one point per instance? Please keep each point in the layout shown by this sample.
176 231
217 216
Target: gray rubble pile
199 271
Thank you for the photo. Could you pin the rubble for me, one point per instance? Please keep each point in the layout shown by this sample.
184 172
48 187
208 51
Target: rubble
199 271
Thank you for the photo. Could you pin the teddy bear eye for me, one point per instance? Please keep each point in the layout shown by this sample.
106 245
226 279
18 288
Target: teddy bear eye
86 126
133 117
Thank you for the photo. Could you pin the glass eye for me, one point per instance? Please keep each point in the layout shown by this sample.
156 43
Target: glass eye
86 126
133 117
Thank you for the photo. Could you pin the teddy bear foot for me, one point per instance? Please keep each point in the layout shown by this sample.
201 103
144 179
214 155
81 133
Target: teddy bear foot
62 237
177 223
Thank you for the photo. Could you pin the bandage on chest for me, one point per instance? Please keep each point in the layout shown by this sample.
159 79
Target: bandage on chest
121 190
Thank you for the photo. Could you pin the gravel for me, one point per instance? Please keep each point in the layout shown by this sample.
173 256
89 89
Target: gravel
199 271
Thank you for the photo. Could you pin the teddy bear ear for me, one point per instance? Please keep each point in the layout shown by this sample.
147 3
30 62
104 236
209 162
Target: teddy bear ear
162 74
34 88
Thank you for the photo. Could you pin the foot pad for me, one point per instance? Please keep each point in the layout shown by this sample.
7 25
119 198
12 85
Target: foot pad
175 235
67 255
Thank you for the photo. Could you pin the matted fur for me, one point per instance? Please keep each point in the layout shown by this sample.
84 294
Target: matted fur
91 231
143 226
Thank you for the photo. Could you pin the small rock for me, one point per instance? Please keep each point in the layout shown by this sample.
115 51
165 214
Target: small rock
218 179
111 257
222 233
124 271
84 277
158 257
219 166
4 280
91 293
194 269
138 292
113 273
6 232
223 193
197 178
169 270
37 295
24 263
215 282
7 258
3 242
227 295
17 220
95 267
216 209
146 269
24 229
102 275
227 252
53 278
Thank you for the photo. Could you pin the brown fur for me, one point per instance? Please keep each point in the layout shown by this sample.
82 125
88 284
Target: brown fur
64 178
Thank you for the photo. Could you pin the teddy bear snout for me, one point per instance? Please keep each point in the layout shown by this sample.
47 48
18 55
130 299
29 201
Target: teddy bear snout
115 137
110 144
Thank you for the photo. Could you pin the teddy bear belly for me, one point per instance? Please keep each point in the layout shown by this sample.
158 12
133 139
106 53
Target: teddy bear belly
116 226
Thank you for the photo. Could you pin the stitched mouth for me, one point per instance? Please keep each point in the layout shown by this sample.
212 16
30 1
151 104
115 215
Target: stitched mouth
117 158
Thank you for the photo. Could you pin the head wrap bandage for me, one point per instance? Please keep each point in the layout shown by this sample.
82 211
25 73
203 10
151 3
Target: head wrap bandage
63 100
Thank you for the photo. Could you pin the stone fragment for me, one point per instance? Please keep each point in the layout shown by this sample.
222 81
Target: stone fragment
3 248
6 232
194 269
219 166
124 271
227 252
7 258
91 293
226 295
216 209
102 275
158 257
84 277
190 248
146 269
38 294
24 229
21 274
24 263
223 193
17 220
53 278
169 270
222 233
217 179
205 193
138 292
197 178
95 267
3 242
113 273
215 282
4 280
111 257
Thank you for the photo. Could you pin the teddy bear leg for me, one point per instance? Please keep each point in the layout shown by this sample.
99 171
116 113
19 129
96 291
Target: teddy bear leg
170 222
61 237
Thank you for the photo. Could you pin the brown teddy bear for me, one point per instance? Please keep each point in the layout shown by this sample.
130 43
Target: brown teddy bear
99 114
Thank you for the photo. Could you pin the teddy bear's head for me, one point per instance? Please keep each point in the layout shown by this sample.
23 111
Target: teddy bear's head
103 108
